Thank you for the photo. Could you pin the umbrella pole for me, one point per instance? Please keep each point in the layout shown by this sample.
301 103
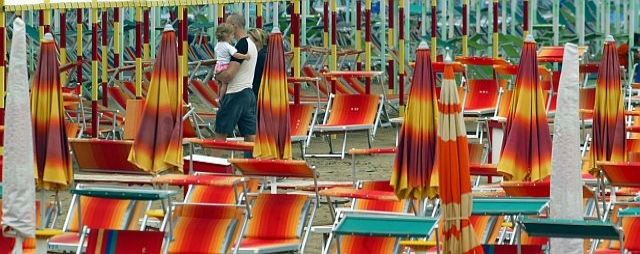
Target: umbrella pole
465 26
94 72
434 33
63 44
367 40
390 38
43 201
105 57
259 17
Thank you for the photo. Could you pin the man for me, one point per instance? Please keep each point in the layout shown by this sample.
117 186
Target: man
238 106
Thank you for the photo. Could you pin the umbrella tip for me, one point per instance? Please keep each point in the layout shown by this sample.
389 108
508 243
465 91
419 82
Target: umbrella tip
529 38
447 58
275 30
609 38
423 45
48 37
168 28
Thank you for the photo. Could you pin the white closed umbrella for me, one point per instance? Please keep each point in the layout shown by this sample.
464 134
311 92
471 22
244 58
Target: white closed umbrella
18 206
566 175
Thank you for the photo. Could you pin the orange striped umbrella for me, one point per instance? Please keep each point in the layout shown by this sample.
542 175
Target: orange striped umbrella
454 174
608 141
158 142
273 133
415 155
526 152
53 164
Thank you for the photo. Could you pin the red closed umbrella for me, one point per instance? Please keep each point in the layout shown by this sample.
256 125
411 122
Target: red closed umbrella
526 153
415 154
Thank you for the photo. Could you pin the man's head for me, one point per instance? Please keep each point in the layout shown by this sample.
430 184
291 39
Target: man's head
238 23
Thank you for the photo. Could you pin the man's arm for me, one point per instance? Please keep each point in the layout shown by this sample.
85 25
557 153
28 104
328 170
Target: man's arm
227 75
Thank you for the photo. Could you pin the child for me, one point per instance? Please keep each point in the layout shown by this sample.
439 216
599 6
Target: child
224 51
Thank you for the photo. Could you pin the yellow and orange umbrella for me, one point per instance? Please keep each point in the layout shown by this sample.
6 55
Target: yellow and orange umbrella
273 133
608 141
158 142
526 152
415 155
53 164
454 173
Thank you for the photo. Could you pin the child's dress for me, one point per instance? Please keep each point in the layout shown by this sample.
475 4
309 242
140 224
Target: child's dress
224 51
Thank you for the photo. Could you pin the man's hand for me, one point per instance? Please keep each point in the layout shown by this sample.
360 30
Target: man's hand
227 75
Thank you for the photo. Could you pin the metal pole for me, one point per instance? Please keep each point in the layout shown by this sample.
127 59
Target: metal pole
580 21
451 17
62 27
503 11
295 37
556 22
367 39
495 42
514 7
444 27
434 31
465 27
105 58
390 37
423 20
79 57
94 72
116 40
138 52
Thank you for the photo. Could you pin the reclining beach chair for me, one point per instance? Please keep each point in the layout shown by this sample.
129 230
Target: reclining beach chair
362 243
288 238
303 120
349 113
207 228
629 220
368 223
277 223
96 212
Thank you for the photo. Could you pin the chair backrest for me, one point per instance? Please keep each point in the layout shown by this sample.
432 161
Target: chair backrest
204 93
104 213
378 205
300 116
278 216
482 94
587 101
351 109
101 155
132 118
109 241
504 103
118 97
205 228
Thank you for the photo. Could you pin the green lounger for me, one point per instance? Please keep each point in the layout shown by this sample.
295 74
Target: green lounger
584 229
509 206
382 224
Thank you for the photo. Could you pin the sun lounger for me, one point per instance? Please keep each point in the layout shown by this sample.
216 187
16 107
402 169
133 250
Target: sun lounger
364 223
281 168
87 209
589 229
207 228
349 113
106 161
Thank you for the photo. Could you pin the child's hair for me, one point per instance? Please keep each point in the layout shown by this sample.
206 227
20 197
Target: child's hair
223 30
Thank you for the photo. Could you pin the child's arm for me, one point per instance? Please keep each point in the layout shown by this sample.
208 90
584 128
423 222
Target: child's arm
241 56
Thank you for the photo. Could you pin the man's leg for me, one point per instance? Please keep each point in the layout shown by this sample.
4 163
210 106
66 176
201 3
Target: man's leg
247 121
226 119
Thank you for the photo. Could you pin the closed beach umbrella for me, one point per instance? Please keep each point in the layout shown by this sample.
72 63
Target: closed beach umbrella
526 153
454 173
273 133
415 154
608 141
158 143
19 205
53 164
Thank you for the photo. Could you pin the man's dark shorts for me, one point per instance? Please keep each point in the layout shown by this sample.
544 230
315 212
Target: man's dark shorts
237 109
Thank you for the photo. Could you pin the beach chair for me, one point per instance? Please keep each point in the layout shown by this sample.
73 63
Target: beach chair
206 228
367 244
303 119
368 223
629 220
281 168
586 229
96 167
349 113
96 212
277 223
100 241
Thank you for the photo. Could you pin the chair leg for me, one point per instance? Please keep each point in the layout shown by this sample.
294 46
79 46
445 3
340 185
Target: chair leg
344 145
330 138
